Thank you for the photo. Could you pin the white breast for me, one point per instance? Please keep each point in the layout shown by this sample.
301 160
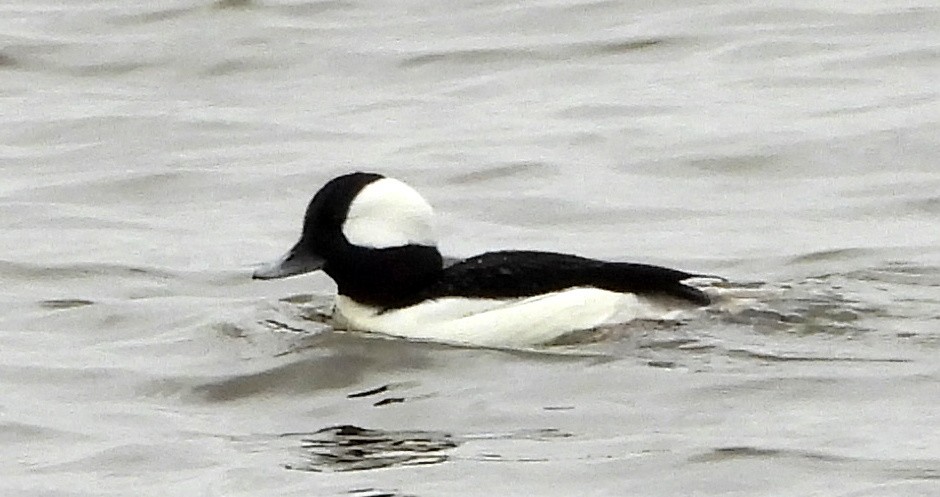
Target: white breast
501 323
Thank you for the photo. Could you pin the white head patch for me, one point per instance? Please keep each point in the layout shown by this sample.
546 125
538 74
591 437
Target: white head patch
388 213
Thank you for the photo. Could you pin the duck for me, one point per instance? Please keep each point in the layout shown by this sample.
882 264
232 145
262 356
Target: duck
373 236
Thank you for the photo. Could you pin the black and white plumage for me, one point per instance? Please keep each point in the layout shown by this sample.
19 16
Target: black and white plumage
374 237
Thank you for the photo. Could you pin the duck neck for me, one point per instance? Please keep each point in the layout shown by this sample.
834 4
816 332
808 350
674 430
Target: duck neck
388 277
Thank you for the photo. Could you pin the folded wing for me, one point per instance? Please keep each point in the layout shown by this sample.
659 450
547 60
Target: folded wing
512 274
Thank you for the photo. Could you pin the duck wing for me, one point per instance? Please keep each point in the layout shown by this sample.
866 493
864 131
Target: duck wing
522 273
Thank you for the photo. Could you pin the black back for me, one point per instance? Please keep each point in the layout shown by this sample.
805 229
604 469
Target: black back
509 274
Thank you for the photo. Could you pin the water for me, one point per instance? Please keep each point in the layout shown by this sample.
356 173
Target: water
151 153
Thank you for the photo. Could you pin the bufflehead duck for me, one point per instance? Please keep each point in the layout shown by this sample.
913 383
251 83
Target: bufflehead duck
373 236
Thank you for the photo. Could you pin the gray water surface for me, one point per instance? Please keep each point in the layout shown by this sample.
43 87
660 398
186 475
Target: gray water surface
153 152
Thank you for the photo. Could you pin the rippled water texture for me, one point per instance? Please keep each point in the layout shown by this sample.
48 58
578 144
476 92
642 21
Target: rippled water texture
152 152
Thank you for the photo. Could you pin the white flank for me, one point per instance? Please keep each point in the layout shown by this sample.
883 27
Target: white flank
501 323
388 213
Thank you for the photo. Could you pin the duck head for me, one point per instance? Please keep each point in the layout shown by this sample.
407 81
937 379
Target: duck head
371 234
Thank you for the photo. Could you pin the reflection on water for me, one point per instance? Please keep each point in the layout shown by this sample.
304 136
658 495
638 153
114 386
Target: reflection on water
350 448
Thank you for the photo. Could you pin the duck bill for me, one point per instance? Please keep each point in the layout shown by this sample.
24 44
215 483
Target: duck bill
295 261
